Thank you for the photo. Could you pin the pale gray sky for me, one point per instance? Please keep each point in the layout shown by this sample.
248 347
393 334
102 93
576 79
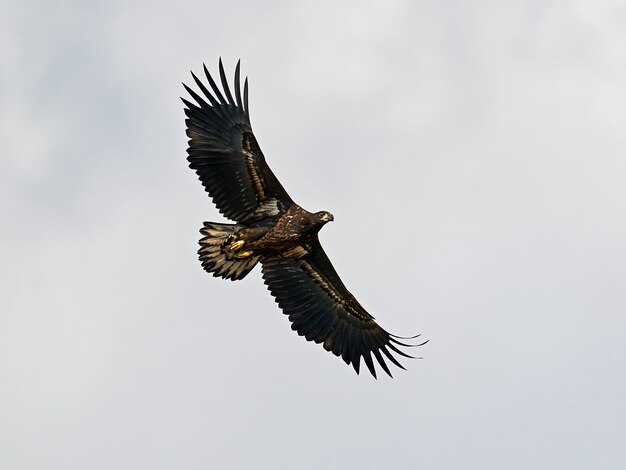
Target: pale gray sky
478 150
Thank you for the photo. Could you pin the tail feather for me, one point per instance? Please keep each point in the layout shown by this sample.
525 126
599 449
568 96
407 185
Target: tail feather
213 252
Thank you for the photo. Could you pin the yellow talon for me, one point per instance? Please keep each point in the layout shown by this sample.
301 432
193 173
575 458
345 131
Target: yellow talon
236 245
243 254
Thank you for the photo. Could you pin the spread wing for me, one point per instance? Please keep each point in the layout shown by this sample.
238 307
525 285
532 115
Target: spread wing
321 309
225 154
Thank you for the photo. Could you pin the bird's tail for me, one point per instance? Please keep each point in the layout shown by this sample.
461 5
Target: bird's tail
217 256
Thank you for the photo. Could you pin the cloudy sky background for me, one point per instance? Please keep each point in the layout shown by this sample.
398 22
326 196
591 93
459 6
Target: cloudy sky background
474 157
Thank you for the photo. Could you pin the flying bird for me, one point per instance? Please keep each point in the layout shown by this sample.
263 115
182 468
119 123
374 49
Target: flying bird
273 230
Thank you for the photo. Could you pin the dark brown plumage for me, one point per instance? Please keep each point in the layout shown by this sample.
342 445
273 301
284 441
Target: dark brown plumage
271 229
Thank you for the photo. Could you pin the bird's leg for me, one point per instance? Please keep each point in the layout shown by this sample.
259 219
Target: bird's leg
236 245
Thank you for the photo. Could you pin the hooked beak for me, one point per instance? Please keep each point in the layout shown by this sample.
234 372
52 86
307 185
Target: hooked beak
328 217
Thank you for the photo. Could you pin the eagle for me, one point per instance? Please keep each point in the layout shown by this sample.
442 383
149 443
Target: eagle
271 229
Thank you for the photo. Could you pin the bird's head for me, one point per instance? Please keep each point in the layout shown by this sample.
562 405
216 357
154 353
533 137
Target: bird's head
312 223
324 216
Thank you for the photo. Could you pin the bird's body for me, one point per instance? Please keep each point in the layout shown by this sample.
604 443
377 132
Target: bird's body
272 230
273 236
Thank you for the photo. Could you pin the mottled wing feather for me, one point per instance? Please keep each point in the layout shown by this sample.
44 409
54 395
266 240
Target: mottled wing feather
321 309
225 154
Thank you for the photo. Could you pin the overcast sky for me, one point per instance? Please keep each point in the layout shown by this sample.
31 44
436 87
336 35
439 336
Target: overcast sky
474 157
